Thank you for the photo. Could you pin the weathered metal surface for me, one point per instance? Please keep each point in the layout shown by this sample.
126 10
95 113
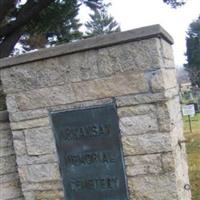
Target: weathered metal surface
90 154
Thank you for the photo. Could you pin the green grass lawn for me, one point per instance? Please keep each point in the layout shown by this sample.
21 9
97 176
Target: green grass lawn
193 151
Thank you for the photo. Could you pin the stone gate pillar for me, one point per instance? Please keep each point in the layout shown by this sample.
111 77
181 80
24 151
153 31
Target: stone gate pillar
133 69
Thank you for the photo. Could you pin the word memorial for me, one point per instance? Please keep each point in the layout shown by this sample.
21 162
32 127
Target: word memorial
90 153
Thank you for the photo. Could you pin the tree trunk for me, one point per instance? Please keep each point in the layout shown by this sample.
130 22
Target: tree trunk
9 43
5 6
30 10
11 32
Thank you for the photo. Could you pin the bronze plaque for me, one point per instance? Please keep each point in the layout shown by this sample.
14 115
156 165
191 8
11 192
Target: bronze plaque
90 153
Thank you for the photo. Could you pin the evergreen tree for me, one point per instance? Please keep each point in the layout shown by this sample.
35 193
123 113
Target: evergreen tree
193 52
56 24
41 23
101 22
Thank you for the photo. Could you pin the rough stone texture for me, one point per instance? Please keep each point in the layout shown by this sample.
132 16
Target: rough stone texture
39 141
10 187
116 85
30 124
151 187
137 72
42 113
37 98
50 195
142 109
6 151
167 51
53 72
168 162
26 115
5 138
180 156
11 103
169 114
30 160
135 56
154 31
168 63
2 100
19 143
138 99
39 173
146 143
163 79
10 190
7 165
45 186
135 124
3 116
144 164
4 125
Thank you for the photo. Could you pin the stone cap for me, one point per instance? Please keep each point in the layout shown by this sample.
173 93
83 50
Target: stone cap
91 43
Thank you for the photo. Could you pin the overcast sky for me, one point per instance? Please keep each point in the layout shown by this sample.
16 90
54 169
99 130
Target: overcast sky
132 14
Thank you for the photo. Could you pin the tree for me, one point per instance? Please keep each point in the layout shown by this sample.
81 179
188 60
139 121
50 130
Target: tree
39 23
101 22
193 52
54 25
